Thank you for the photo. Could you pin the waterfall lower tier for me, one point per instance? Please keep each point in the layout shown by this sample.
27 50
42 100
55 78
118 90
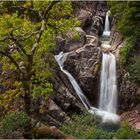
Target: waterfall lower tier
104 115
108 87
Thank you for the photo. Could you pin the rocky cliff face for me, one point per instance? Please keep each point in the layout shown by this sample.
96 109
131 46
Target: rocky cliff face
128 91
83 62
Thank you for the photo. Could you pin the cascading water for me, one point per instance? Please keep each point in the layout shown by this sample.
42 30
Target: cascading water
107 27
60 60
105 116
108 88
108 85
108 96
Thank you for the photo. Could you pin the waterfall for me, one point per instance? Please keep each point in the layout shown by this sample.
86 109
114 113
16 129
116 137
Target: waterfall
107 26
108 85
104 115
108 88
60 60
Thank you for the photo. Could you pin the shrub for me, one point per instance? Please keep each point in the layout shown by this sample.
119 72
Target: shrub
82 126
87 127
134 69
127 132
12 125
126 50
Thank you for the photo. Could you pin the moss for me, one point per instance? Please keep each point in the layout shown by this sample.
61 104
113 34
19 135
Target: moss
126 50
96 69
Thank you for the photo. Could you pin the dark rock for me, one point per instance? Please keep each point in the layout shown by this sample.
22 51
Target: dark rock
91 14
73 43
84 64
129 95
55 111
69 42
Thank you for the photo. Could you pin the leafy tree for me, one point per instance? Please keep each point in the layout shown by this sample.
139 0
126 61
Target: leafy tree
27 32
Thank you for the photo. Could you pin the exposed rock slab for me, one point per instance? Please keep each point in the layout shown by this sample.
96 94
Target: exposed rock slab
133 117
84 64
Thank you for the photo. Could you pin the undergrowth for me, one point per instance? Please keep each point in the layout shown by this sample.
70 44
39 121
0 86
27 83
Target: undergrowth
86 126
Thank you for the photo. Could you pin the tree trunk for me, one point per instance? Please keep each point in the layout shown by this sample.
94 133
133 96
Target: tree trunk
27 97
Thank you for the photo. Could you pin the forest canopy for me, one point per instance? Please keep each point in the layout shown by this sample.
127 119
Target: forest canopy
27 34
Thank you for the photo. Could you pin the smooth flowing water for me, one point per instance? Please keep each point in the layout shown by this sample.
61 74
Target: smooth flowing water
105 116
108 85
107 26
108 88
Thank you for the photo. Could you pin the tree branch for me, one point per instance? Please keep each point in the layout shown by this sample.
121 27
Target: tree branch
11 59
44 18
46 15
15 40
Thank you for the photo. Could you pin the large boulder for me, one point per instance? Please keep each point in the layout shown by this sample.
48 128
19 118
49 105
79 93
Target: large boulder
84 64
72 40
85 17
97 26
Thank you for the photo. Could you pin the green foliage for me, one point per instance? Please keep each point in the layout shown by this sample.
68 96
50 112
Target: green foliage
126 132
25 43
116 7
12 123
134 69
86 126
82 126
44 90
130 20
76 35
126 49
127 15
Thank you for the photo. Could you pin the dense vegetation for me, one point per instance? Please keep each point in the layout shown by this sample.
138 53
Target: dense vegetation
12 125
27 33
127 18
86 126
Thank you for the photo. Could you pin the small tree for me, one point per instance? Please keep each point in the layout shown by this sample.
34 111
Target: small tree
26 39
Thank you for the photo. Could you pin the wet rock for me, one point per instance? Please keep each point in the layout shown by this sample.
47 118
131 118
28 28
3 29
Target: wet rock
84 64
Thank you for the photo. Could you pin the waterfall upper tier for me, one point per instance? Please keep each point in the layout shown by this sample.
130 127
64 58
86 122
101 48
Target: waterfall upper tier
107 25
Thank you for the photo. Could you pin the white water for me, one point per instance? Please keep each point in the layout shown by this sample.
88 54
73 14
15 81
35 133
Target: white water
108 88
105 116
108 85
107 27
